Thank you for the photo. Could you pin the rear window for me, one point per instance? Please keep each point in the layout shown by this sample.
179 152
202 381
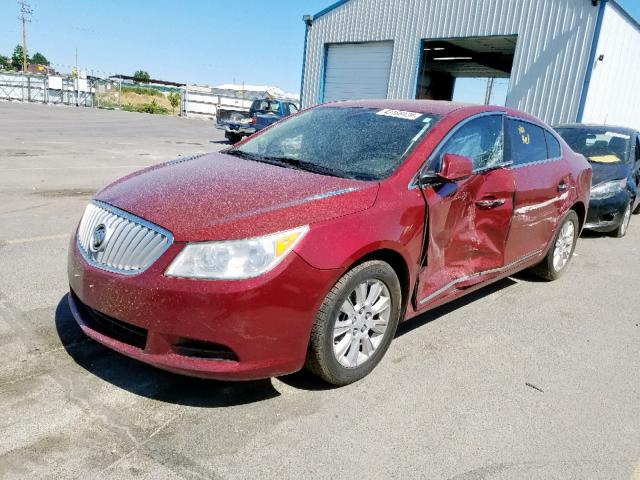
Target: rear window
526 142
266 106
553 146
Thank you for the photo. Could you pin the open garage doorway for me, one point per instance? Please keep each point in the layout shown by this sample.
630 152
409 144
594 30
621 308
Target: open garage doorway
470 69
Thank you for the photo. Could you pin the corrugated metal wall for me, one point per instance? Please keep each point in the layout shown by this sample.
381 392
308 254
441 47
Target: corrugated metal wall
552 55
614 94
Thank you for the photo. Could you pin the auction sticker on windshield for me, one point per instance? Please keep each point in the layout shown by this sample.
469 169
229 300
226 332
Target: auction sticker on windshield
618 135
399 114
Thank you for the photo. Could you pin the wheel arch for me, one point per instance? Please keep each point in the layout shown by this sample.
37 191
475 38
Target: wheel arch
581 211
399 265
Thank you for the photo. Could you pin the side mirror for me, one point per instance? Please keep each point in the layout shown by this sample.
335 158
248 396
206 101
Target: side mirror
455 167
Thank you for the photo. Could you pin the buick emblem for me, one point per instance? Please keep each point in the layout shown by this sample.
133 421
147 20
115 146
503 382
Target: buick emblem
99 238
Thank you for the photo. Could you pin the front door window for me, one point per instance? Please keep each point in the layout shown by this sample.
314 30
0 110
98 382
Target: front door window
480 139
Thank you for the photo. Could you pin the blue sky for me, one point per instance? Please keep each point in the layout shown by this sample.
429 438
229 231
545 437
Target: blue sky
196 41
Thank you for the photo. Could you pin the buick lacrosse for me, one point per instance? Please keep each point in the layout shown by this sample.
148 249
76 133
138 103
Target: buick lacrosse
306 244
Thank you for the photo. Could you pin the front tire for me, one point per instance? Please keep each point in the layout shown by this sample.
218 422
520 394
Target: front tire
355 324
561 252
621 231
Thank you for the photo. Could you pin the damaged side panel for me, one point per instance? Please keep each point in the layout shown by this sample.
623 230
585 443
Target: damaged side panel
469 223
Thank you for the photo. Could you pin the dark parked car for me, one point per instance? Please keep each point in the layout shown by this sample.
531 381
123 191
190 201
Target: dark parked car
262 113
307 244
614 154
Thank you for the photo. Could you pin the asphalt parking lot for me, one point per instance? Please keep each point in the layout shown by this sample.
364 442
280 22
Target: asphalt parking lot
524 379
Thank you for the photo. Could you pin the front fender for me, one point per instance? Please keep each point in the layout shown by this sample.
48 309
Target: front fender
390 225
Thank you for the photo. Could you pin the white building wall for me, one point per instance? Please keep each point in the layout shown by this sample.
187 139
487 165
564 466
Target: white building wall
551 58
614 91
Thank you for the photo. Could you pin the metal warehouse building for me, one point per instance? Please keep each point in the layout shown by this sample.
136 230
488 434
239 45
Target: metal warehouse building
566 60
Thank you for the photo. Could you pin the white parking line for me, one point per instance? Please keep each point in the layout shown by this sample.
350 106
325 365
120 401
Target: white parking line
19 241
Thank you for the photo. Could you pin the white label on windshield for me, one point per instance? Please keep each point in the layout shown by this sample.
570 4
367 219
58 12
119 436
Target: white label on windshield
618 135
399 114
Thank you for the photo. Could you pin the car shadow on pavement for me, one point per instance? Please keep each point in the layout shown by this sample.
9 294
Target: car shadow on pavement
529 276
431 315
593 235
306 381
146 381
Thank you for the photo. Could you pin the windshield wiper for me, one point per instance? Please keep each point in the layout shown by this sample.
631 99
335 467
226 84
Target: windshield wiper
307 166
236 152
288 162
271 160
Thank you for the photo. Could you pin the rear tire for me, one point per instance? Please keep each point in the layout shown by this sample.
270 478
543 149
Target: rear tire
561 252
622 229
355 324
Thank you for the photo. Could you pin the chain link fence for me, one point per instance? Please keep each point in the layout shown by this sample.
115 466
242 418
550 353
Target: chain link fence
221 104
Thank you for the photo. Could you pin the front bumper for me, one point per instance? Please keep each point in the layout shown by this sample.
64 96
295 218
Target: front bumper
227 330
605 215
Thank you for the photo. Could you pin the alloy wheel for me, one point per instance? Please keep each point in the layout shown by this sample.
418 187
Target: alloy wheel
361 323
564 246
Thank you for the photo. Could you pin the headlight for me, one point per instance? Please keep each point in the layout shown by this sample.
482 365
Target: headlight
235 259
608 189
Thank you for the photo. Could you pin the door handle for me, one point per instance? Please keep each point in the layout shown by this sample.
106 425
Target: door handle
563 186
490 203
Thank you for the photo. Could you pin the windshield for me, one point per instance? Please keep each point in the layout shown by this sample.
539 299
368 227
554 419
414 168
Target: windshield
599 145
362 143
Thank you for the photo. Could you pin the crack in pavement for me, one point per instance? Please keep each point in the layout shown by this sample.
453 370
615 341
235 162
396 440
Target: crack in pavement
139 445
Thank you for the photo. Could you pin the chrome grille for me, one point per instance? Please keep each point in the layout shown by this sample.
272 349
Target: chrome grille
130 244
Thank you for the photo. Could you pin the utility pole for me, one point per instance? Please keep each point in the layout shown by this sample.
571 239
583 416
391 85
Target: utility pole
489 91
77 81
25 17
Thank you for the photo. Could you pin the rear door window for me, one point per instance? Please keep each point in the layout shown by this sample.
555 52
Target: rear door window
526 142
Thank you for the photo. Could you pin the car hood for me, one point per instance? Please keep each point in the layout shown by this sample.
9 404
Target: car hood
220 197
603 172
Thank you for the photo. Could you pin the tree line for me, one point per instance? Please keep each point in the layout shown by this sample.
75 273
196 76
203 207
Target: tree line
15 61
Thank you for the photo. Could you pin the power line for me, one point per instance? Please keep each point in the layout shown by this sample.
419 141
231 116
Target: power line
25 17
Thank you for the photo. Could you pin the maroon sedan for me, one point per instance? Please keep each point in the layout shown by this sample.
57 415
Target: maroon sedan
307 244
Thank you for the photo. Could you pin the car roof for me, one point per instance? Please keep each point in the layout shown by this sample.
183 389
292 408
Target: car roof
435 107
593 126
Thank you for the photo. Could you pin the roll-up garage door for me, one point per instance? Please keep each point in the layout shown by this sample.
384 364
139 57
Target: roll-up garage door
357 71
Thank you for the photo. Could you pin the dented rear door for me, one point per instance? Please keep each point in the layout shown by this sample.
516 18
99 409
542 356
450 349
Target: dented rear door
543 183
